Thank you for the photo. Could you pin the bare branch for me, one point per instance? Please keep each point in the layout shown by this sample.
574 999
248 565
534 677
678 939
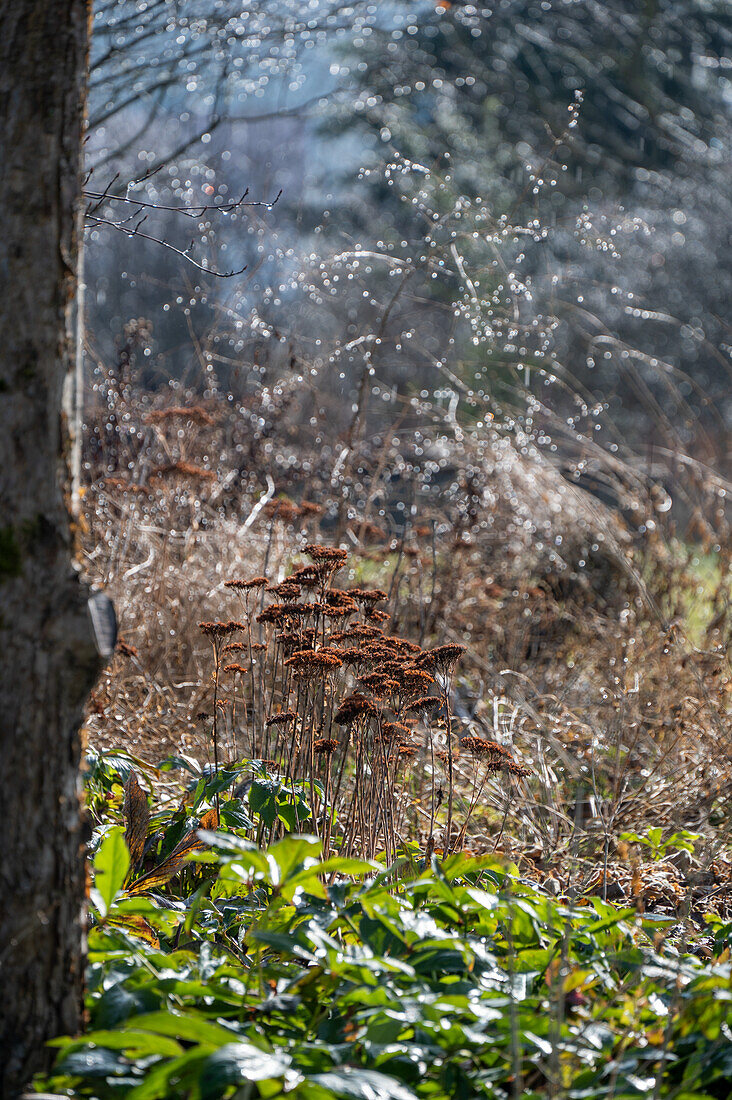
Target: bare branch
192 212
123 227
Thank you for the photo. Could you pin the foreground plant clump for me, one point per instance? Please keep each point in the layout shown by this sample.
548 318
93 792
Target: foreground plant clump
272 972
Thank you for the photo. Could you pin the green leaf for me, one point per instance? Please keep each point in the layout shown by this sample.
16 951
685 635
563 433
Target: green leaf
285 943
192 1027
295 853
263 799
236 1064
194 904
185 763
618 916
222 781
233 817
361 1084
111 864
132 1042
117 1003
294 815
157 1080
343 866
93 1063
163 920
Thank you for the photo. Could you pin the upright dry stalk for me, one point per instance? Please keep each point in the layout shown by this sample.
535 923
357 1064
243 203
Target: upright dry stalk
326 662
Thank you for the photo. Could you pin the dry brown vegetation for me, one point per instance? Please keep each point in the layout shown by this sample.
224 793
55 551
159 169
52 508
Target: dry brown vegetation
597 655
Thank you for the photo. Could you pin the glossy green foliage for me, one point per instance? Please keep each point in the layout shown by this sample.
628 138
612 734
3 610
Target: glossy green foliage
276 972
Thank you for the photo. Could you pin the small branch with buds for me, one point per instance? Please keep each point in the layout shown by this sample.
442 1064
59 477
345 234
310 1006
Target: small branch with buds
131 225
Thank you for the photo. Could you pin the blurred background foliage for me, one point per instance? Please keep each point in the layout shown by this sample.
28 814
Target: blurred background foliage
474 197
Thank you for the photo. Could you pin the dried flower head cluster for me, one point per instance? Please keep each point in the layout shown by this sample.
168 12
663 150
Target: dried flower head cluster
357 717
246 586
218 630
492 756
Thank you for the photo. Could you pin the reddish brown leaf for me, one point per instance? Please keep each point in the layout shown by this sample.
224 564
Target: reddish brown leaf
137 926
137 818
175 861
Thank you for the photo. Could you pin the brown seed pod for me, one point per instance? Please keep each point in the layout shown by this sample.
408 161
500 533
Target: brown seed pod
313 664
355 706
368 596
442 659
325 746
221 629
283 718
425 705
331 555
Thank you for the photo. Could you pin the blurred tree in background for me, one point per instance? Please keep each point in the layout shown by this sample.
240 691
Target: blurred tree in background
632 277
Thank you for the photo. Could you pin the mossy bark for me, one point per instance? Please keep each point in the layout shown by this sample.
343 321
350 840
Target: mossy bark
48 661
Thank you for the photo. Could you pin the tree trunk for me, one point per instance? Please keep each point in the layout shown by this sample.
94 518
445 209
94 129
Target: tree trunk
48 662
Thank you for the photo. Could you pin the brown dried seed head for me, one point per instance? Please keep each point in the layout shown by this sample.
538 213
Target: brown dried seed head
374 615
325 746
283 509
335 597
442 659
314 663
379 683
244 586
331 555
427 704
273 614
354 706
395 731
290 640
306 576
183 469
284 718
404 647
354 657
498 750
407 752
416 681
221 629
339 611
286 590
368 595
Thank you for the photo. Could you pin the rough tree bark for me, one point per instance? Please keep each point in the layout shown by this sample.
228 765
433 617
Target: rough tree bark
47 658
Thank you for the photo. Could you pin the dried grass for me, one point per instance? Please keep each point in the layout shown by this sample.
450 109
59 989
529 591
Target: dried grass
580 652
